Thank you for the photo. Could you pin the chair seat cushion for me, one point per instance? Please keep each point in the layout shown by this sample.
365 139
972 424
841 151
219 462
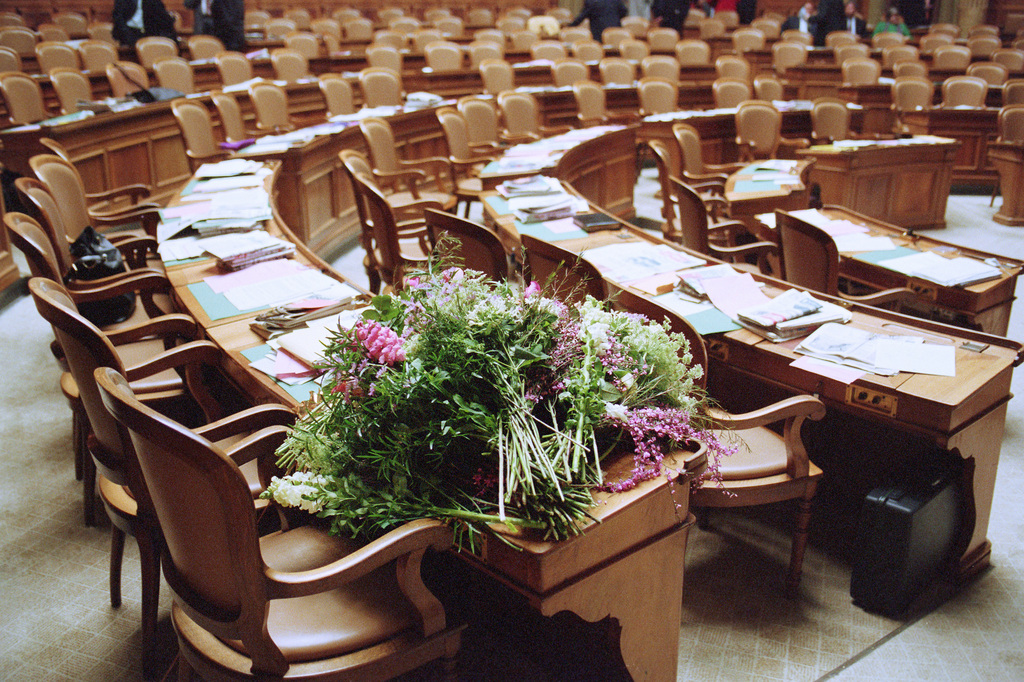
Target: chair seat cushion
362 613
399 199
761 453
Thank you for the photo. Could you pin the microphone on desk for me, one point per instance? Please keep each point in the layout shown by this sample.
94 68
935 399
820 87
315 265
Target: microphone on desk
147 95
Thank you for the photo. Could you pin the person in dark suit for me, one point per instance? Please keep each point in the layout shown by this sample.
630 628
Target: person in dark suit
602 14
804 20
670 13
830 18
202 20
228 18
853 22
134 19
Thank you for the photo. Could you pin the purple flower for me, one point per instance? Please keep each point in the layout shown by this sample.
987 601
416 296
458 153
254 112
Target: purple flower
532 290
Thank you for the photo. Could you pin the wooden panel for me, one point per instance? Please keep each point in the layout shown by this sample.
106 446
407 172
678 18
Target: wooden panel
1008 159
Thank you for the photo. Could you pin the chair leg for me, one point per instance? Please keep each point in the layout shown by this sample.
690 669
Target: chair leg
79 429
89 490
796 559
116 559
149 558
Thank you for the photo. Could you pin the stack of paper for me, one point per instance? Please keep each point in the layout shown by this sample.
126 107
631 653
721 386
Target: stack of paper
879 353
959 271
640 260
792 314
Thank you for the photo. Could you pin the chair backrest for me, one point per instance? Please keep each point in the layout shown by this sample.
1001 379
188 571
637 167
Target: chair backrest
613 35
305 43
691 151
450 27
456 132
982 46
380 140
443 56
9 60
122 84
693 52
787 54
759 126
476 247
830 119
65 185
590 102
22 97
732 66
96 54
548 49
255 19
730 18
657 95
480 16
809 257
747 40
30 238
795 35
71 87
301 17
561 14
196 128
338 96
277 28
880 41
1011 123
617 71
835 39
386 14
51 55
380 220
930 41
912 93
76 25
492 35
522 40
662 39
20 39
52 224
326 26
355 163
768 87
436 13
633 49
384 57
381 87
637 26
289 65
993 73
667 168
893 54
563 274
358 30
421 38
587 50
861 71
154 48
983 29
952 30
660 66
850 51
346 14
711 28
270 103
10 18
951 58
230 115
729 92
1011 58
566 71
910 67
771 28
1013 91
233 67
689 225
204 46
479 50
390 38
964 91
481 119
406 25
520 112
175 73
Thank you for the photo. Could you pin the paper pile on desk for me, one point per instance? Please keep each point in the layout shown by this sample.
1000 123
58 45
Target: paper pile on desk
959 271
884 354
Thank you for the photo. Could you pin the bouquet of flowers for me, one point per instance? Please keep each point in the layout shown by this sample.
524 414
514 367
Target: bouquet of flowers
481 402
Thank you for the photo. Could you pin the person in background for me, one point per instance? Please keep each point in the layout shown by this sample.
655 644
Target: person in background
228 18
830 18
893 23
747 10
853 22
725 6
202 20
602 14
804 20
669 13
134 19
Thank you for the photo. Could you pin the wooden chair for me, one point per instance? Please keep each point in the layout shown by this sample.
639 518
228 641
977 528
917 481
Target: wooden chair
230 114
51 55
304 42
591 105
395 173
810 260
255 20
851 51
176 74
835 39
52 33
301 17
479 50
497 76
787 54
23 98
472 245
711 28
662 39
326 26
565 72
442 56
660 66
768 87
729 92
732 66
880 41
74 24
797 36
72 87
634 50
587 50
614 35
21 39
197 130
381 87
768 467
712 190
983 46
747 39
1010 125
362 607
950 29
151 49
338 96
694 170
277 28
384 56
491 35
894 54
911 93
759 131
1012 59
964 91
692 52
521 40
994 73
480 16
1013 91
951 58
521 115
830 120
910 67
617 71
858 71
233 67
270 102
289 65
637 26
771 28
562 274
657 96
450 27
96 54
929 42
466 161
358 30
204 46
547 49
406 25
126 77
9 60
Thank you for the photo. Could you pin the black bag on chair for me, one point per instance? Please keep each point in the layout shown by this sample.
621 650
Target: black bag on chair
96 258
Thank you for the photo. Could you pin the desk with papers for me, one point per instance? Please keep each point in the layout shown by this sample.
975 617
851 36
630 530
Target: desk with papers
878 423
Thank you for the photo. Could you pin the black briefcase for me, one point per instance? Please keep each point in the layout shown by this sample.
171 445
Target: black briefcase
904 539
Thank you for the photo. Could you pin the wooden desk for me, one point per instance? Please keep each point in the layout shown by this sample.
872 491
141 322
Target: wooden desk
984 306
894 181
974 128
877 425
745 202
1008 160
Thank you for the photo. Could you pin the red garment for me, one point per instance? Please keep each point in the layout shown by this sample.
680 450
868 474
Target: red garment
725 6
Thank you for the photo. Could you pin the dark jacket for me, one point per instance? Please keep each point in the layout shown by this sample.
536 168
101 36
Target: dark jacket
602 14
229 23
671 13
156 21
830 18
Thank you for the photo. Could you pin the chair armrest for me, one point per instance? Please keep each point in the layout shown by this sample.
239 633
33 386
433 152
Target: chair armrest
259 445
135 192
163 327
726 169
806 406
137 281
253 419
884 296
135 250
414 536
409 178
692 179
760 249
728 229
149 217
794 142
551 131
518 138
193 352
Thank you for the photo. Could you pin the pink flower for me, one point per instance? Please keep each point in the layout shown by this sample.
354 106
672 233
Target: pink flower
382 344
532 290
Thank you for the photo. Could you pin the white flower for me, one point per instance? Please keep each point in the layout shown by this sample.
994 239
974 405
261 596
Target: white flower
290 490
616 411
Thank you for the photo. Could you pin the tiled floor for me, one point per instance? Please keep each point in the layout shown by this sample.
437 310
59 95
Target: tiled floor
56 622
